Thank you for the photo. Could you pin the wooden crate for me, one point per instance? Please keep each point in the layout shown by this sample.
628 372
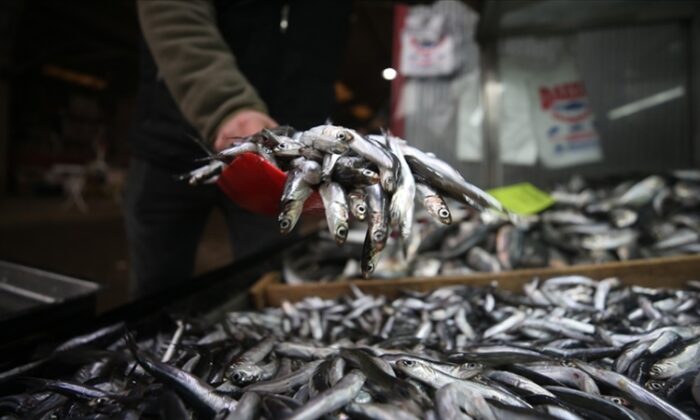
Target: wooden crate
670 272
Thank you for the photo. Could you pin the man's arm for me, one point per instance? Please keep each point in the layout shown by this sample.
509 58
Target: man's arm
200 70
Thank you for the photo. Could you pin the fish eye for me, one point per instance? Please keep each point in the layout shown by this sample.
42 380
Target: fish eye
367 173
361 209
284 224
342 231
101 401
282 145
472 365
378 236
343 136
616 400
408 362
370 267
444 213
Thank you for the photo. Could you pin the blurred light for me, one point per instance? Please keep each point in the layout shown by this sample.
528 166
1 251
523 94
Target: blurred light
648 102
342 92
74 77
389 73
361 111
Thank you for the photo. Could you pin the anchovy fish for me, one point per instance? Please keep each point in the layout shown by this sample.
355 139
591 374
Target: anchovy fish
295 193
453 352
562 235
337 213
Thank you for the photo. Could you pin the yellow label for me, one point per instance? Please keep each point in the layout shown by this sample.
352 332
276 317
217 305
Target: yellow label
523 198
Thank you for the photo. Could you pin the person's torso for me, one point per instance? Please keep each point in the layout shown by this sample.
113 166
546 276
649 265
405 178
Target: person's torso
288 50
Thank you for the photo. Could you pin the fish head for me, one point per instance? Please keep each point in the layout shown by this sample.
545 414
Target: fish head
370 257
245 373
370 176
473 366
654 386
360 210
338 133
341 233
444 215
287 149
358 205
618 400
379 235
413 368
662 369
286 223
437 207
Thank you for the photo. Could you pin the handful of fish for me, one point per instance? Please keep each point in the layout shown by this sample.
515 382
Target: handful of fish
374 178
590 222
565 348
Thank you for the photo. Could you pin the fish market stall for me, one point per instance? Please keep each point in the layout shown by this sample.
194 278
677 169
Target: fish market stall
596 345
586 223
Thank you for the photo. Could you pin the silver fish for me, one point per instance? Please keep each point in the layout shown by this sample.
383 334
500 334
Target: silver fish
295 193
633 391
358 206
332 399
288 149
642 192
378 216
337 213
611 240
327 138
443 176
230 153
434 203
437 379
677 364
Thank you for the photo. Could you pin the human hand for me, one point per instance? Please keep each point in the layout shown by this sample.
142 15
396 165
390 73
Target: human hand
242 124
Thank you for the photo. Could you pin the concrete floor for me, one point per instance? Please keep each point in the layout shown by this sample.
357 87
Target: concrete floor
44 233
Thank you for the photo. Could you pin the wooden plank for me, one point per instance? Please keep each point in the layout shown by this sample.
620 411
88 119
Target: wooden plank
257 291
658 272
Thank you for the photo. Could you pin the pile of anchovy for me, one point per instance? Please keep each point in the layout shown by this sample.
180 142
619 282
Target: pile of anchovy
566 348
589 223
376 178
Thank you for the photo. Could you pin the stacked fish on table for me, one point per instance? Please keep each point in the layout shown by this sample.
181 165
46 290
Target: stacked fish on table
589 223
567 347
376 178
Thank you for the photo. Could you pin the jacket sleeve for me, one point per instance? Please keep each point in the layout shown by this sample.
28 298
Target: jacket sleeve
196 64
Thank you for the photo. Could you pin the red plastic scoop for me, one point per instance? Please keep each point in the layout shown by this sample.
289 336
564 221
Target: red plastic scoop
256 185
